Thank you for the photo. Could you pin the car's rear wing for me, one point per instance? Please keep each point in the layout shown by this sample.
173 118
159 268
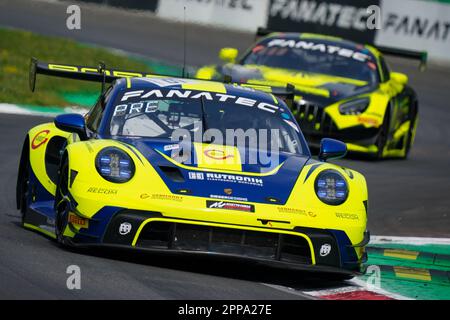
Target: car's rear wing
262 32
103 75
97 74
285 93
422 56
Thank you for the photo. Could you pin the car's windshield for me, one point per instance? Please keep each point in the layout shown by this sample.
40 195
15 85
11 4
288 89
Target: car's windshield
171 114
314 56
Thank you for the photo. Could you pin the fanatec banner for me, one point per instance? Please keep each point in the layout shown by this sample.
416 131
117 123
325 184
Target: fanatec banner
344 18
406 24
242 15
416 25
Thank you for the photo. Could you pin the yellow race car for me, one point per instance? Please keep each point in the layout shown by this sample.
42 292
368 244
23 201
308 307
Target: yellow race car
343 90
145 170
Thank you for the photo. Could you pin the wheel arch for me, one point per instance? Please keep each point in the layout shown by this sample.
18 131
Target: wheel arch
24 158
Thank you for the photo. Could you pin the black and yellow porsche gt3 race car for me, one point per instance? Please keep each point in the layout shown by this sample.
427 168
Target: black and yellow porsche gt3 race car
145 169
136 172
343 90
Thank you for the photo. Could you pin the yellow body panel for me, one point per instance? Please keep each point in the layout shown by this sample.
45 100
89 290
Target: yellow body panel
147 191
39 136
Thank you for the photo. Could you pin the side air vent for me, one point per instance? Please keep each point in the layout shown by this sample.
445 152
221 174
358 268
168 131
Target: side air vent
172 173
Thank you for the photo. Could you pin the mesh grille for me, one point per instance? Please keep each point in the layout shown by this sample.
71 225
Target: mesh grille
257 244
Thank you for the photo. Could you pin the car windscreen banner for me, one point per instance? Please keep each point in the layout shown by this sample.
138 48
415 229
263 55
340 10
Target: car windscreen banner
342 18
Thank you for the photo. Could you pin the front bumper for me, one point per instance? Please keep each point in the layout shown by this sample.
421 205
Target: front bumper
316 124
302 248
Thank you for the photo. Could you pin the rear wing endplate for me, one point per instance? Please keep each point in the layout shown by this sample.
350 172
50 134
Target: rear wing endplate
422 56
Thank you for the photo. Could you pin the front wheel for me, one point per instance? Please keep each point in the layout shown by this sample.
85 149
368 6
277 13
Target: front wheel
382 137
411 131
62 203
23 183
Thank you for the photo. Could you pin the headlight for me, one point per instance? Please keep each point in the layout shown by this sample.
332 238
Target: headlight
114 165
331 187
354 107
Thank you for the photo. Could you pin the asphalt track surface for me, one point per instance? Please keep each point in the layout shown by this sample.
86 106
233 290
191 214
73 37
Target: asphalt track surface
407 198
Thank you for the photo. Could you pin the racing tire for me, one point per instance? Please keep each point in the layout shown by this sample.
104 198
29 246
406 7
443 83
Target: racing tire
409 140
382 136
62 203
23 183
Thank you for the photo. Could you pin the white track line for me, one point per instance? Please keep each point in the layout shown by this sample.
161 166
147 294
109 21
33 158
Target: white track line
408 240
19 110
363 285
289 290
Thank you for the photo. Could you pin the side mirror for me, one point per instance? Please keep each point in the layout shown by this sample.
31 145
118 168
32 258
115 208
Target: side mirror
228 55
72 122
399 77
332 149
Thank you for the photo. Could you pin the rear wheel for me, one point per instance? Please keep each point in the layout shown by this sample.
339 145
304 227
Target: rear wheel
62 203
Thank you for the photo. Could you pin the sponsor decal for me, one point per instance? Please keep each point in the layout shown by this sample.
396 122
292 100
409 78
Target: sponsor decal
324 48
218 196
228 191
170 197
234 179
223 177
148 106
102 191
312 214
115 73
325 250
230 206
125 228
217 154
292 211
78 221
196 175
171 147
369 121
39 139
349 216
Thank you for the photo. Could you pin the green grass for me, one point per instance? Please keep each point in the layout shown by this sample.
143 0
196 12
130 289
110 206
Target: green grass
16 49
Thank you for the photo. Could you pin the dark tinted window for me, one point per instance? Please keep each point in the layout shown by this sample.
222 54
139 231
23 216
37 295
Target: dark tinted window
163 114
315 56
